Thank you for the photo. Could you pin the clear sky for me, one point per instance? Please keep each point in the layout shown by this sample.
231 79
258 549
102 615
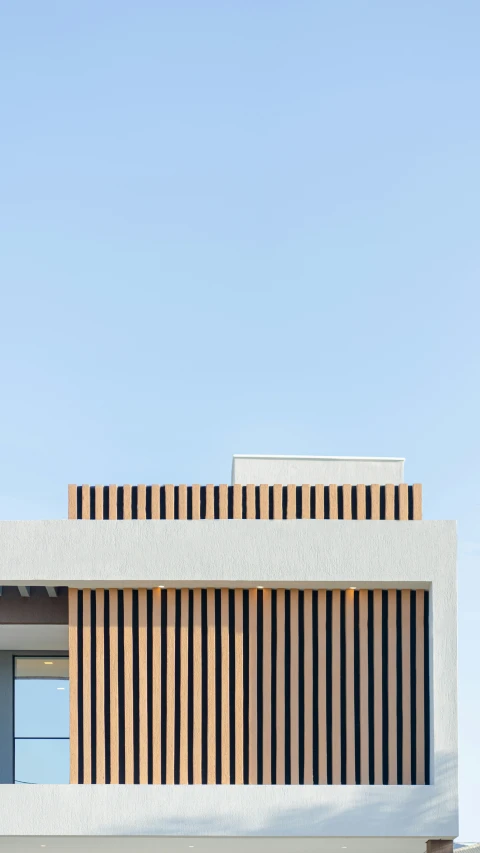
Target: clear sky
244 226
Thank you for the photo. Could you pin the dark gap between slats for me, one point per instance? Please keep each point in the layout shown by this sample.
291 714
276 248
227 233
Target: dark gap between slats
301 684
106 720
246 686
328 678
260 687
274 689
79 502
410 503
288 710
105 501
326 500
340 502
356 688
426 640
203 502
257 502
216 502
399 691
178 677
270 502
230 501
232 681
313 505
176 502
204 659
92 501
163 692
136 689
397 504
284 502
382 502
121 689
385 697
148 502
120 503
163 504
368 503
413 683
93 681
218 687
298 504
81 752
134 502
343 689
371 691
354 503
315 743
244 501
150 681
189 676
189 503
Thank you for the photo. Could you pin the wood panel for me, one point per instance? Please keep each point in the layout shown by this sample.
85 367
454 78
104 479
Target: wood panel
87 682
307 676
211 689
114 688
157 721
197 687
331 667
350 686
345 502
336 733
406 688
128 682
100 685
280 697
294 688
378 686
365 675
322 686
267 687
73 675
252 692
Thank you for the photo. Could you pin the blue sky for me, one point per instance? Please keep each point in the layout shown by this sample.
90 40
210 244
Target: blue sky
243 227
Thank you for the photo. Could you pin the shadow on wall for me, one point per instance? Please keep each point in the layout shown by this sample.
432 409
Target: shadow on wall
422 811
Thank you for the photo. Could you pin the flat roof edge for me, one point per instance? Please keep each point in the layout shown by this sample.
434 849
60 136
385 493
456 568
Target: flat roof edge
320 458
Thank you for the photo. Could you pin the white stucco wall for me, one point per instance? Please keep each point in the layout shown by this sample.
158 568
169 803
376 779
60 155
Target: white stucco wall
315 469
303 553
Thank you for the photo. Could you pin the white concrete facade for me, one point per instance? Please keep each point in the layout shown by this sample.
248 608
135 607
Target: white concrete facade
247 553
298 470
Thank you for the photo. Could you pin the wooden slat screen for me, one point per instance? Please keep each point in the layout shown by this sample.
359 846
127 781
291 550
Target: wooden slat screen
250 686
345 502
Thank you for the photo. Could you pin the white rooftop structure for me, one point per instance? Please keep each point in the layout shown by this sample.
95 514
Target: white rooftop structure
297 470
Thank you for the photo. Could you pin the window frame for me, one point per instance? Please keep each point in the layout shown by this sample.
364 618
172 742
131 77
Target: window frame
27 655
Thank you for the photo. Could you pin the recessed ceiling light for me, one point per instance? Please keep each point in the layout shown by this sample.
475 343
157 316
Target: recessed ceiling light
161 586
350 587
60 688
48 662
259 587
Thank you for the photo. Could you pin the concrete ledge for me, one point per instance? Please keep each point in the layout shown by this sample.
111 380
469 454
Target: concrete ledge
209 810
89 553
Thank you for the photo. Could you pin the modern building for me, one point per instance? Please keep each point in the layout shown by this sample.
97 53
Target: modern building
267 666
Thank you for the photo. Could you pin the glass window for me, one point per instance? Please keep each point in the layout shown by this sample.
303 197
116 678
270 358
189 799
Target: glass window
42 761
41 720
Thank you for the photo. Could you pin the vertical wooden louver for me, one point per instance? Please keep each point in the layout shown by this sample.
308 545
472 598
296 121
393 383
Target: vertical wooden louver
261 503
262 686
